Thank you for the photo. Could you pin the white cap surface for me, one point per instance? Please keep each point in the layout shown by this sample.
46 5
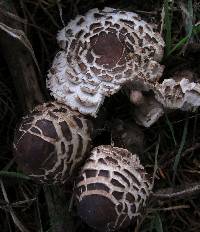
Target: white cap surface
101 51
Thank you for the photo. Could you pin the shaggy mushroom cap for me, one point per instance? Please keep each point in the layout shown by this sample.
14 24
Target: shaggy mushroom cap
101 51
51 142
112 188
181 91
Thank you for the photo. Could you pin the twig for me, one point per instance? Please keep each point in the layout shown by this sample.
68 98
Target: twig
176 207
191 149
177 192
17 222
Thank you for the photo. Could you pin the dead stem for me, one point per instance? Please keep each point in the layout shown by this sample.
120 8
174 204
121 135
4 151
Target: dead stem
178 192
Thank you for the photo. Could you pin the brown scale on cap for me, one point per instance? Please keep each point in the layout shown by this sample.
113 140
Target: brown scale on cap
111 189
102 51
51 142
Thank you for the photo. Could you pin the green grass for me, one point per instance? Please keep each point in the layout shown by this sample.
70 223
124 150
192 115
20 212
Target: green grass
168 11
156 224
190 28
16 175
183 142
171 128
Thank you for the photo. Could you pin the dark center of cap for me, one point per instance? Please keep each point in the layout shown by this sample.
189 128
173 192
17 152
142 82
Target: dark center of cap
98 212
108 47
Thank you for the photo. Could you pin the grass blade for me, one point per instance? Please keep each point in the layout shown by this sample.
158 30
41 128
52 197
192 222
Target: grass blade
189 25
171 128
178 156
156 160
167 25
14 175
156 224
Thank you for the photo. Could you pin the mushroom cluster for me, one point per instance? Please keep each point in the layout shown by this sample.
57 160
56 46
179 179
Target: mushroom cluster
101 51
112 188
51 142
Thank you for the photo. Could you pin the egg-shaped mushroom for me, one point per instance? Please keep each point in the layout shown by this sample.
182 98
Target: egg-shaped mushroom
101 51
51 142
112 188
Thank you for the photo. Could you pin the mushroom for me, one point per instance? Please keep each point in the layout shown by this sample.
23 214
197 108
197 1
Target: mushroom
102 51
147 110
112 188
51 142
180 91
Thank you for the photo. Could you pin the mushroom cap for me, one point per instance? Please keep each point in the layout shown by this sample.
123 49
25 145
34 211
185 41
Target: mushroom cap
112 188
178 92
101 51
51 142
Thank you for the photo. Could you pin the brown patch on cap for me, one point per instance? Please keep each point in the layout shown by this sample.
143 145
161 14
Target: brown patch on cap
90 173
118 195
108 47
47 128
65 130
81 20
104 173
98 186
117 183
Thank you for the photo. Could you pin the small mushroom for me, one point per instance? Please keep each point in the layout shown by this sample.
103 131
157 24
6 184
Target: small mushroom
112 188
181 91
147 110
101 51
51 142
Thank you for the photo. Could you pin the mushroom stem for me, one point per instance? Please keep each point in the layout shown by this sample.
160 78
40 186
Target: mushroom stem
28 89
147 109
